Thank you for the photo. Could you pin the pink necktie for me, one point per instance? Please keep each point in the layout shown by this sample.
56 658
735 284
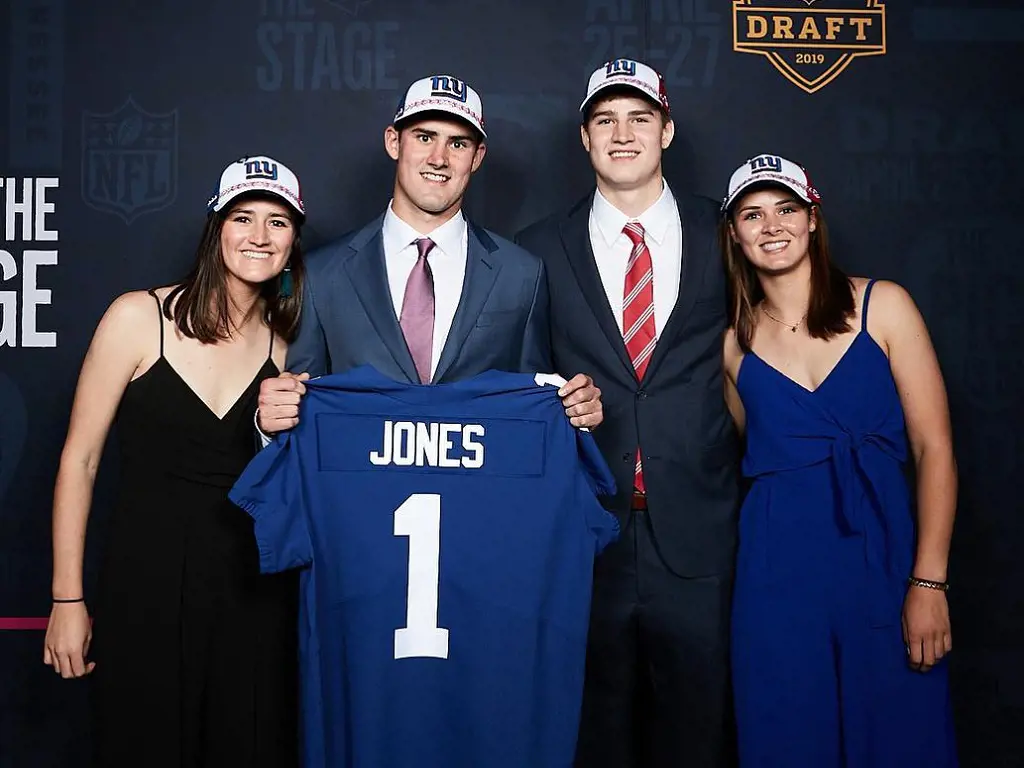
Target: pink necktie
417 319
638 330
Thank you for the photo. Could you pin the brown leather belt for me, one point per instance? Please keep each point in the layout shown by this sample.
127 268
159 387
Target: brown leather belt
639 501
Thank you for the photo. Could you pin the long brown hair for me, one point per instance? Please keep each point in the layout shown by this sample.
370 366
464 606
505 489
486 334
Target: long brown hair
201 309
832 303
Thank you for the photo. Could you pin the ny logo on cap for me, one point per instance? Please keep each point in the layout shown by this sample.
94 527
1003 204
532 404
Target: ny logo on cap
260 169
452 88
620 67
766 163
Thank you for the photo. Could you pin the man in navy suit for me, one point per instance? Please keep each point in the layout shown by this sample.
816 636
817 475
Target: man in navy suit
420 293
642 306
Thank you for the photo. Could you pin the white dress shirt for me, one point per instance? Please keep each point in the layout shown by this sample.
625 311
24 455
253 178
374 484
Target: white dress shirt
664 237
447 260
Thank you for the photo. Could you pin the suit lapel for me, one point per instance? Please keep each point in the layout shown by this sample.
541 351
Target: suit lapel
366 270
695 243
481 272
575 233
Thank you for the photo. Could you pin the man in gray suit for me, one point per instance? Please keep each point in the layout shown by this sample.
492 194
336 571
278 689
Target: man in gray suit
420 293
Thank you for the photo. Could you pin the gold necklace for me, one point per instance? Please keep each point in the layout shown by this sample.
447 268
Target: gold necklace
783 322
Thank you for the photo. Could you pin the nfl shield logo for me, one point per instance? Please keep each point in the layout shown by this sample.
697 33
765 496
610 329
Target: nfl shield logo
129 160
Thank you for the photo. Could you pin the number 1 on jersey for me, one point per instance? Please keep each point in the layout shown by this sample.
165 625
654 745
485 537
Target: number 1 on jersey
419 518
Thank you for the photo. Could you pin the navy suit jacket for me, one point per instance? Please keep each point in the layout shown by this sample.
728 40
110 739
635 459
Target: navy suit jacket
348 317
677 413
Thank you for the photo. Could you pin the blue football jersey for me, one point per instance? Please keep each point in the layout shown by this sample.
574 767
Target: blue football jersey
447 535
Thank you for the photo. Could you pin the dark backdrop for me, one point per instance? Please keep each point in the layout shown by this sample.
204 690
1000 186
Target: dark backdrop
121 113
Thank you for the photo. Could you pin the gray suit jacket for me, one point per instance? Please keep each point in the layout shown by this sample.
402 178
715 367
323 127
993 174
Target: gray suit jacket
348 318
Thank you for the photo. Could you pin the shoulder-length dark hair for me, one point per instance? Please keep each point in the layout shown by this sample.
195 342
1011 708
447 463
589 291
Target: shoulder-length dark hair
831 304
201 309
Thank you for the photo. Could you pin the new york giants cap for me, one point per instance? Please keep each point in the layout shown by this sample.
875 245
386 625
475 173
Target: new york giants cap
771 169
257 173
630 74
442 93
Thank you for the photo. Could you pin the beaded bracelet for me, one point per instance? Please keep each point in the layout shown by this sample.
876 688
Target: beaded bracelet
942 586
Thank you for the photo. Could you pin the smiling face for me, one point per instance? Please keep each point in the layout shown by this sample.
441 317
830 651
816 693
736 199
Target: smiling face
435 160
625 136
773 228
256 240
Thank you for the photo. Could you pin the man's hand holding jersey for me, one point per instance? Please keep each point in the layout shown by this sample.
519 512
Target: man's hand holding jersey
581 399
279 402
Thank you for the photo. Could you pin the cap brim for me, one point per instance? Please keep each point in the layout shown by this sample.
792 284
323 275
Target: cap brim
776 180
440 112
623 86
223 200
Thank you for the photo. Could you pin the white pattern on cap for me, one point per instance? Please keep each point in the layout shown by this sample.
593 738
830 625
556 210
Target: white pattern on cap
630 74
443 93
257 173
771 169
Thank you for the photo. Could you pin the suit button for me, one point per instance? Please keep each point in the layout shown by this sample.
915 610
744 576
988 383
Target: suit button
641 395
625 458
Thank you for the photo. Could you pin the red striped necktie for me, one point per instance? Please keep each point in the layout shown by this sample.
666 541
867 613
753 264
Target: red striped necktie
638 330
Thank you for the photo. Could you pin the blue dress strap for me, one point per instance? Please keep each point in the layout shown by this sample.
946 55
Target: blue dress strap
864 308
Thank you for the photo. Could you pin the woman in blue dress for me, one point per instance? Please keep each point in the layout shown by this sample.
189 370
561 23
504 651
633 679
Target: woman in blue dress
840 622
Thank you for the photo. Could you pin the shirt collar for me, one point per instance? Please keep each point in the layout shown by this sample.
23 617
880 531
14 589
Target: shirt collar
398 235
655 220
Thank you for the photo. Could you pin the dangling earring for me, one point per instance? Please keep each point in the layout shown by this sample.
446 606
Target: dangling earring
286 281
